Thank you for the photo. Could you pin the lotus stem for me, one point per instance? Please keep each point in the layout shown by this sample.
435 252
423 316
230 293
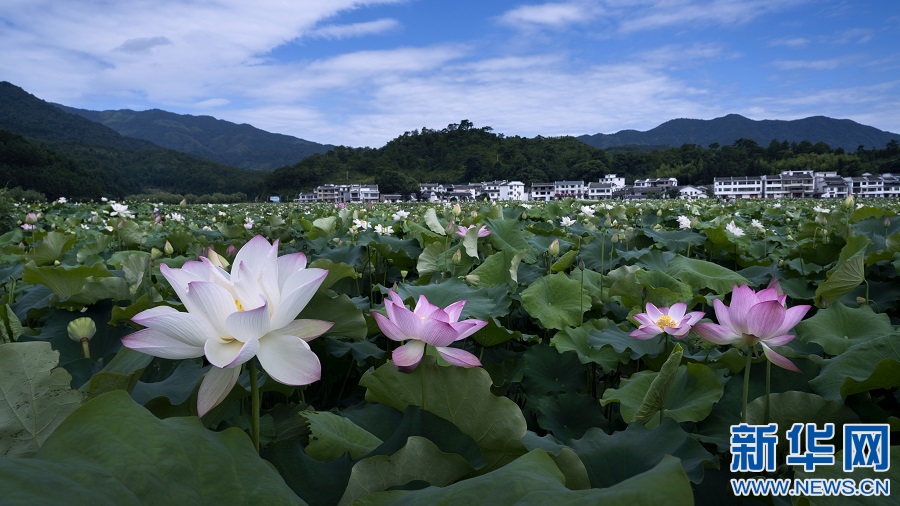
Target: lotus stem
254 400
768 390
746 385
86 347
422 376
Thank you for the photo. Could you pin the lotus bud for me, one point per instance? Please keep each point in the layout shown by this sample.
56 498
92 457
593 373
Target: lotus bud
155 254
553 249
849 202
183 202
31 218
861 301
615 238
472 279
231 251
217 259
168 249
581 264
821 219
659 212
456 209
887 222
457 257
474 214
81 330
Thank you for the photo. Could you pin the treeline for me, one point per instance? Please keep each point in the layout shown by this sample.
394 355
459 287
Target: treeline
82 171
463 153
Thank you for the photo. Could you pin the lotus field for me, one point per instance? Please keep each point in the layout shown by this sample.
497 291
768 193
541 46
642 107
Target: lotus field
564 352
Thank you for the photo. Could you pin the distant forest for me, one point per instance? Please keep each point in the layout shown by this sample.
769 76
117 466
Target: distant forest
462 153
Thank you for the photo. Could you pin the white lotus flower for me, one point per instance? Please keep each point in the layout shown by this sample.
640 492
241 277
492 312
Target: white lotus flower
232 317
734 229
756 223
587 211
400 215
684 222
566 221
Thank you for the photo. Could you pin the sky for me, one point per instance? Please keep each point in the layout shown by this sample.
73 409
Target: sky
360 73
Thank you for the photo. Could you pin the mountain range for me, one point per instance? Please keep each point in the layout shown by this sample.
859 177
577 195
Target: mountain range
62 151
237 145
837 133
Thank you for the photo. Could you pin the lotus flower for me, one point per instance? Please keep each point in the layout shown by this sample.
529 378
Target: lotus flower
427 324
672 321
235 316
755 317
482 232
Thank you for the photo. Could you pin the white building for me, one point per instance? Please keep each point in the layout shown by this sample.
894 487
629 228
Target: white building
656 182
600 191
691 193
789 184
513 190
544 192
306 197
742 187
573 189
616 182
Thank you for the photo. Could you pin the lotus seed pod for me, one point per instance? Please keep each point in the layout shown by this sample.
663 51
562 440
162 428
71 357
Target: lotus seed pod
81 330
861 301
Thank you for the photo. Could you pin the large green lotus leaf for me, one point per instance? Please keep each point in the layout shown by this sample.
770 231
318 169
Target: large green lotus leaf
534 478
612 458
35 396
332 435
579 340
836 472
97 244
34 481
65 281
172 461
863 367
377 419
419 460
328 306
849 272
430 261
837 327
50 248
359 350
556 301
462 396
598 254
176 388
569 415
501 268
603 335
442 433
549 371
121 373
702 274
135 267
788 408
507 235
325 226
10 325
318 483
675 240
481 302
691 395
470 242
132 233
564 262
494 334
114 288
336 271
433 223
566 460
654 401
653 286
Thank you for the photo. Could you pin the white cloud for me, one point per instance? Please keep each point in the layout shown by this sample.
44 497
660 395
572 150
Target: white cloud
792 42
553 15
355 29
829 64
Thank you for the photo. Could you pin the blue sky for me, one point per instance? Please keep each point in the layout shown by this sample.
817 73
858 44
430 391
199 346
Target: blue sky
362 73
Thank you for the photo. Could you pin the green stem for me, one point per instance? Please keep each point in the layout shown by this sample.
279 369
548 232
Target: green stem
254 400
768 390
422 376
746 386
86 347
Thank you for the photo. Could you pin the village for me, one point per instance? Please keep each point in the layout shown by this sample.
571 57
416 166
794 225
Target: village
787 184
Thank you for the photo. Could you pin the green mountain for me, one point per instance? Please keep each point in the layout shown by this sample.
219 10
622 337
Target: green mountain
842 133
40 140
221 141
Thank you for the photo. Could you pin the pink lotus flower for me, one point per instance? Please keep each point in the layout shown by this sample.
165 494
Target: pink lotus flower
482 232
755 317
233 317
672 321
427 324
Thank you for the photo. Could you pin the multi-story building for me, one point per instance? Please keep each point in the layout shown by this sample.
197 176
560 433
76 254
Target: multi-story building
659 182
742 187
573 189
513 190
600 191
867 185
891 185
789 184
306 197
542 191
328 193
691 193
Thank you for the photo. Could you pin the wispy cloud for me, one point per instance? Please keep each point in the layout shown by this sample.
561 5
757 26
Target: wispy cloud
355 29
792 42
693 14
829 64
550 15
142 44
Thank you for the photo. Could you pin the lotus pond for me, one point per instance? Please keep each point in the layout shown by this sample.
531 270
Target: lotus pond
567 352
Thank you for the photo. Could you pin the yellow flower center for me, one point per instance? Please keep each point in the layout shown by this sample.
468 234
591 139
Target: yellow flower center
237 303
666 321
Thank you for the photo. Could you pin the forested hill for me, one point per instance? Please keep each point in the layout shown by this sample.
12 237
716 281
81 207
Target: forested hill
462 152
837 133
243 146
59 154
